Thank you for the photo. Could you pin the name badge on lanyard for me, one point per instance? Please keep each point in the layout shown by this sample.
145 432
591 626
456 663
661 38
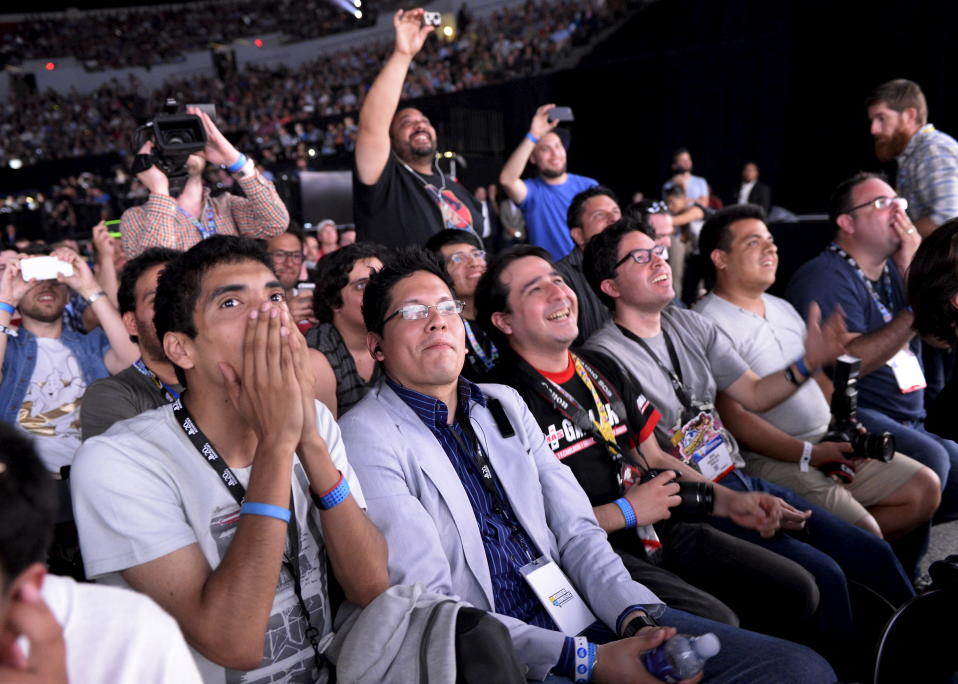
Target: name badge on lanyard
700 443
907 371
557 595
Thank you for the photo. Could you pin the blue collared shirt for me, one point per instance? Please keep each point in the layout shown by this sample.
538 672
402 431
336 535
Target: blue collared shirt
928 175
507 545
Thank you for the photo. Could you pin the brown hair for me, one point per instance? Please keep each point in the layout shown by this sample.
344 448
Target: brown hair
899 95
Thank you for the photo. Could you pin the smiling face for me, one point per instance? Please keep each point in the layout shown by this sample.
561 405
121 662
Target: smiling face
412 136
45 301
286 251
598 213
464 266
751 260
550 156
351 312
543 310
645 287
426 354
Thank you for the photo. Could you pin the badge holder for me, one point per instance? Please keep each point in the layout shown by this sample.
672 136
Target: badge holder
907 370
556 593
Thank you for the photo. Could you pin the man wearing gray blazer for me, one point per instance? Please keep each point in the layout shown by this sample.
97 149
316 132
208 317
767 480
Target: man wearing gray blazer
474 505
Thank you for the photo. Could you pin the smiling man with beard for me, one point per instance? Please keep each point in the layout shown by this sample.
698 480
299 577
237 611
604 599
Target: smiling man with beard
927 158
400 194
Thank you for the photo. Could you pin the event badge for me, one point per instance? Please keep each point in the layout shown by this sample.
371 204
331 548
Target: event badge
907 371
701 444
556 593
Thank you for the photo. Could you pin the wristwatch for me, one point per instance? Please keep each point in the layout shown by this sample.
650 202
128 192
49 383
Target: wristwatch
95 296
637 623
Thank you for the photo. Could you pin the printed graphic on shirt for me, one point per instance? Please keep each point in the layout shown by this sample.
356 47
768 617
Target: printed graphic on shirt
455 214
50 407
565 439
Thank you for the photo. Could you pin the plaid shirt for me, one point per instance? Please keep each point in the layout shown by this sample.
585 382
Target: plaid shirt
158 223
928 175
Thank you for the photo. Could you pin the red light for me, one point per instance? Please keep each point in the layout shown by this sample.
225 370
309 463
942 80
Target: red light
51 66
258 43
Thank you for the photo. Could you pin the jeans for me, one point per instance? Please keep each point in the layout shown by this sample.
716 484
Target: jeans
745 656
939 454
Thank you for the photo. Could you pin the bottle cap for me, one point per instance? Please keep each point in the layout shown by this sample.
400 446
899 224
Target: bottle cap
706 645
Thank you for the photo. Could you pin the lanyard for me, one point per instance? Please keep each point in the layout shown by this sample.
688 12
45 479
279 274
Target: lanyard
488 360
678 385
488 477
167 391
885 280
205 231
238 492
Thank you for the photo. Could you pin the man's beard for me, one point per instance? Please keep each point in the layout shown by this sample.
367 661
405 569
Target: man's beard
148 341
887 148
41 315
427 152
552 173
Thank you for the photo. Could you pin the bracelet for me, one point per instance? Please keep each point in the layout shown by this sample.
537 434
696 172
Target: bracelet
238 164
9 308
8 331
534 139
265 509
333 496
806 457
628 512
95 296
585 660
802 368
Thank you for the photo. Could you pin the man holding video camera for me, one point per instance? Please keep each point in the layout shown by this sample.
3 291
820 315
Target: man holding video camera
193 215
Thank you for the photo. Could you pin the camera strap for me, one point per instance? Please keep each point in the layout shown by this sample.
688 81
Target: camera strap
886 283
205 231
682 392
238 492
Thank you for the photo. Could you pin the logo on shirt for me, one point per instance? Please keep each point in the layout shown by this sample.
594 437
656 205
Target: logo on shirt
566 439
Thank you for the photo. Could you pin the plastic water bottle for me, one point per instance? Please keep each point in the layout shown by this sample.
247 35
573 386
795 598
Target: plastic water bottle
680 657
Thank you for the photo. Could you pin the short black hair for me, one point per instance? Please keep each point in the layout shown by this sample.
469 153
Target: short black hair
136 267
717 231
674 190
28 504
573 217
401 265
680 151
601 254
182 279
933 284
492 295
452 236
841 199
332 275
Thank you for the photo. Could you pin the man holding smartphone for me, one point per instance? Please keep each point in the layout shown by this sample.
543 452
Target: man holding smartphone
544 200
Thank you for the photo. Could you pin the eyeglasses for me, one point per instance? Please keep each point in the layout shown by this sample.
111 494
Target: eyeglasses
643 255
882 203
416 312
657 207
280 255
460 257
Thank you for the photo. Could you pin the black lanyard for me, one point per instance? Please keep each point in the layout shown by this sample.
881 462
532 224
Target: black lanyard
238 492
678 385
563 402
884 308
489 479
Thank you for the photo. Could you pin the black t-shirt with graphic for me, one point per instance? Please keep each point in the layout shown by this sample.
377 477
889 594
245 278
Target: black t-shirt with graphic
404 209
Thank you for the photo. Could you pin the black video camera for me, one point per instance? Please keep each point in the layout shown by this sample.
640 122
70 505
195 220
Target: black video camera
175 135
698 498
845 426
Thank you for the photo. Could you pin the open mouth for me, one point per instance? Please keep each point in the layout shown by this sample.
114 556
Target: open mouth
662 277
766 263
560 315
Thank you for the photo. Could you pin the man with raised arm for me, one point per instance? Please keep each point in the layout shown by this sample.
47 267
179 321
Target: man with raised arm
400 194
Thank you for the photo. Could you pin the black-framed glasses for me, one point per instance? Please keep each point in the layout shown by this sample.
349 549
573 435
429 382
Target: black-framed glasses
643 255
281 255
460 257
882 203
417 312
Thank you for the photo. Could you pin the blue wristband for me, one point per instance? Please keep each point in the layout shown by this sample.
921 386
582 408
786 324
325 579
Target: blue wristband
266 510
334 496
800 364
534 139
238 164
9 308
584 660
627 511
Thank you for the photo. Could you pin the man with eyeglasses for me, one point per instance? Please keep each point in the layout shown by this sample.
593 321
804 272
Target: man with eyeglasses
861 272
473 504
286 252
590 212
465 262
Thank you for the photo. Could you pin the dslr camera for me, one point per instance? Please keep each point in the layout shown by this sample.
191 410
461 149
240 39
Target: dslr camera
175 135
845 426
698 498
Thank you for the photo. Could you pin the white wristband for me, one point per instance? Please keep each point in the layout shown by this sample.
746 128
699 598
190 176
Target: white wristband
806 457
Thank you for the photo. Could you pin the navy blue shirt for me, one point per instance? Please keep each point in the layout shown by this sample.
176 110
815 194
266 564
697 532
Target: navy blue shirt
507 545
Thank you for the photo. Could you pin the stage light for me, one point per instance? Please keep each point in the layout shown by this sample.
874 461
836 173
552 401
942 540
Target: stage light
447 31
51 66
258 43
358 14
15 164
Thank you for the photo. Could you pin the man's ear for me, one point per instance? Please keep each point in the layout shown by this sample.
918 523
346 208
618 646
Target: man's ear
501 320
610 287
178 348
719 259
954 301
33 576
909 116
578 237
375 345
845 224
129 320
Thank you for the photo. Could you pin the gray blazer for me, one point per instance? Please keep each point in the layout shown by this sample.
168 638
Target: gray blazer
415 497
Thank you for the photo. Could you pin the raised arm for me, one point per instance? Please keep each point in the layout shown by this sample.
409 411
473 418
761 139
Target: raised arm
379 107
12 289
511 175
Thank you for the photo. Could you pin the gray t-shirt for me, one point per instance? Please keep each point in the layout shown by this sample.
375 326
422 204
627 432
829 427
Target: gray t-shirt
708 363
118 397
769 344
